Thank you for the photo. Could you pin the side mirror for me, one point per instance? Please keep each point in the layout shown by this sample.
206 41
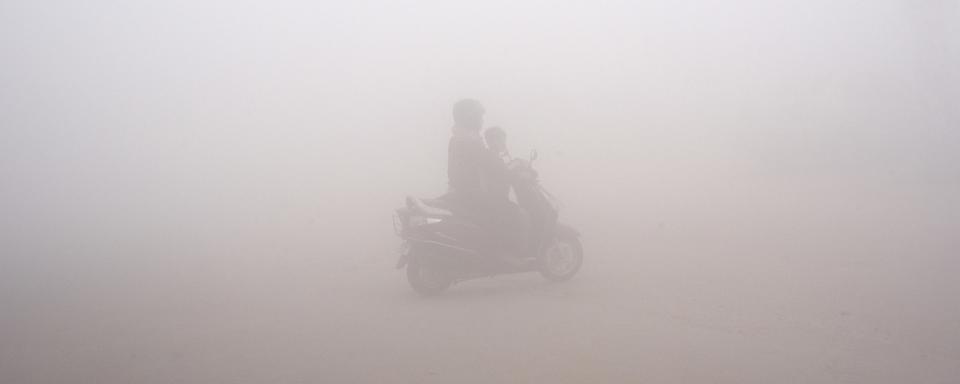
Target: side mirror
533 155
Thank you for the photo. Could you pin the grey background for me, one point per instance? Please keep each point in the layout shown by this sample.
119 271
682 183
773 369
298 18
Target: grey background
201 191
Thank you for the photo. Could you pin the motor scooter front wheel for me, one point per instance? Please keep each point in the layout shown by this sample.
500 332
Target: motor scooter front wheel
425 280
561 259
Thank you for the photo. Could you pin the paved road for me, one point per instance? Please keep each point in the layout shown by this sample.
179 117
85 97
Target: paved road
671 316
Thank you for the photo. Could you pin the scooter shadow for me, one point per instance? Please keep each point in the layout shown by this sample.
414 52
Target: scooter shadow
500 287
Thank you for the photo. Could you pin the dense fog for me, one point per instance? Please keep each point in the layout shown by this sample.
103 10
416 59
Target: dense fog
203 191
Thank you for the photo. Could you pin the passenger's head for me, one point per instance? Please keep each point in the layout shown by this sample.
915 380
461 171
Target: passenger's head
496 139
468 113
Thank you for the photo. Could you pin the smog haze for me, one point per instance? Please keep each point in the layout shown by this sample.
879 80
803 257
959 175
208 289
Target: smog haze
204 191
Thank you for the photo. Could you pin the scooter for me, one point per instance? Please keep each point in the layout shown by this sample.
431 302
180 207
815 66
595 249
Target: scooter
440 249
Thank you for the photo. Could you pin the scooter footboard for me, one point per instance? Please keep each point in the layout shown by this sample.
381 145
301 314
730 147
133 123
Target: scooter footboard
460 261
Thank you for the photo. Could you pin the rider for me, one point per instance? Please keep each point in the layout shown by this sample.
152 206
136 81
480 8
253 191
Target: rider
474 173
496 139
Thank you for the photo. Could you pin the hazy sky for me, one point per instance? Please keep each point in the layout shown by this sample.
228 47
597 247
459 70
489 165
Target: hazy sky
117 109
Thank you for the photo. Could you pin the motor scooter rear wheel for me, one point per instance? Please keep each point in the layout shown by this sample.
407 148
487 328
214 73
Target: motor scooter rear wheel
561 259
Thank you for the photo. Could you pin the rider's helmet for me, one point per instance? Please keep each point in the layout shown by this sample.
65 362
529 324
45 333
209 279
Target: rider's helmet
468 113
